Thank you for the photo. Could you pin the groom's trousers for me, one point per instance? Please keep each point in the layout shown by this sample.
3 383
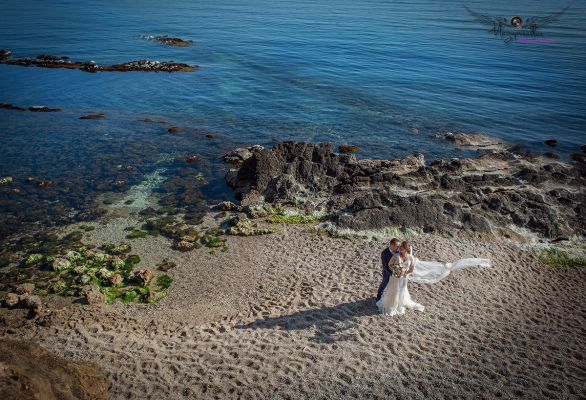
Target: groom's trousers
381 288
385 257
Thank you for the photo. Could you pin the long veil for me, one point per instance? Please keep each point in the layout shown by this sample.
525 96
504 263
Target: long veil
433 271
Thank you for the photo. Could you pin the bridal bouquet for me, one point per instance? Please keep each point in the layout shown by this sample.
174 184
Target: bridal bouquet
399 270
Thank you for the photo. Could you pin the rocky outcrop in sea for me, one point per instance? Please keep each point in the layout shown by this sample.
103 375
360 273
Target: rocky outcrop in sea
503 191
50 61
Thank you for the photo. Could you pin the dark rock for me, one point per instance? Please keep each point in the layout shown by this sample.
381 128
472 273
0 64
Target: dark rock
192 159
174 129
494 190
228 206
8 106
578 157
92 295
172 41
551 142
45 183
93 116
5 54
583 148
49 61
43 109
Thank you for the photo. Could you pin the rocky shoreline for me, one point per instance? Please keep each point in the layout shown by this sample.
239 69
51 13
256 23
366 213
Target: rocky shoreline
503 192
50 61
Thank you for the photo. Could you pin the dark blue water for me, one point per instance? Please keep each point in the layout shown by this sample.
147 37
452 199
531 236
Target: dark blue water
384 75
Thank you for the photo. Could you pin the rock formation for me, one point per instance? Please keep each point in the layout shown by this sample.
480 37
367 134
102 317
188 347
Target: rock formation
499 190
49 61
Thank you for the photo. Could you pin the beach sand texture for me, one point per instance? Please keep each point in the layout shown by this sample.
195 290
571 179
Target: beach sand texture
292 315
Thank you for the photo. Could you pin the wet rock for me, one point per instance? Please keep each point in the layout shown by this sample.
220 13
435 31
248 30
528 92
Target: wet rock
49 61
578 157
143 276
33 304
228 206
25 288
174 129
6 180
93 116
242 226
185 245
583 148
45 183
116 279
348 149
172 41
148 66
92 295
239 155
8 106
43 109
11 299
165 265
551 142
192 159
114 249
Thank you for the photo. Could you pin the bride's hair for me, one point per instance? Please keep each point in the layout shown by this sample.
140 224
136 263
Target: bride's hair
405 245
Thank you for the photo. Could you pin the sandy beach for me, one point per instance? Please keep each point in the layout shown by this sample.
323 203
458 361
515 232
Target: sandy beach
292 315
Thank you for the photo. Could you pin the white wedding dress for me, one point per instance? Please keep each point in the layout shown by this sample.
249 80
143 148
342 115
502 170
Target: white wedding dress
396 298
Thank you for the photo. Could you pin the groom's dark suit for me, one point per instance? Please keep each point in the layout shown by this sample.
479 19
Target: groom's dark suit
385 257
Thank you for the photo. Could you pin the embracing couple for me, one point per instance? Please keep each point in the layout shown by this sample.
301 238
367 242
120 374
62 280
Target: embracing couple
400 266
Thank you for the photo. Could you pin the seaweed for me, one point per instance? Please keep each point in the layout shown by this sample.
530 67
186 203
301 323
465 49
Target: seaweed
164 281
560 258
137 234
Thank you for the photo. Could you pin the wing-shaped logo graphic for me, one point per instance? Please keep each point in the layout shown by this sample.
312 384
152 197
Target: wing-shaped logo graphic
487 19
545 21
510 28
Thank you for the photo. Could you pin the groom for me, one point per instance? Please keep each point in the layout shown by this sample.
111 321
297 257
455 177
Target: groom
385 257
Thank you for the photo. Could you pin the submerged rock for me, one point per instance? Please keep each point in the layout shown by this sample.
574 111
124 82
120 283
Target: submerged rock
45 183
6 180
486 194
93 116
192 159
551 142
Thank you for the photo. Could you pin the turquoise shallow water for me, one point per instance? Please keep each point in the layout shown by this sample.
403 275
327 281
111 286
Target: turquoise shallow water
384 75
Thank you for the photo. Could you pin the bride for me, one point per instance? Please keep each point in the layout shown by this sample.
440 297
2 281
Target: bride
406 267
